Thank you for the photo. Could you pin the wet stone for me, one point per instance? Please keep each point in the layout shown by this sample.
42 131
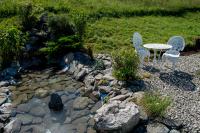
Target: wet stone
38 111
23 108
25 119
37 120
81 103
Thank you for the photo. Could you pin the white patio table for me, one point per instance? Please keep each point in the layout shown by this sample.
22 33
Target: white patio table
155 47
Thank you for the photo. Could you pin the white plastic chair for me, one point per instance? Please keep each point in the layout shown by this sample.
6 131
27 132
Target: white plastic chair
141 51
178 44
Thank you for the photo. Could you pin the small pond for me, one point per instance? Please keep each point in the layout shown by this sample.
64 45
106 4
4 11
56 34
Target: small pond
33 95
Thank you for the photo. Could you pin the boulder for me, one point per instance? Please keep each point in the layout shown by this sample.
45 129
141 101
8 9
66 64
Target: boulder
104 89
95 96
6 108
91 130
13 127
81 74
171 124
157 128
4 83
137 97
81 103
41 93
37 120
119 97
4 117
38 111
55 102
117 116
174 131
3 99
1 127
23 108
89 80
25 118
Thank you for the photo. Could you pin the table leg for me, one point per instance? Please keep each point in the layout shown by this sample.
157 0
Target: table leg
154 59
159 57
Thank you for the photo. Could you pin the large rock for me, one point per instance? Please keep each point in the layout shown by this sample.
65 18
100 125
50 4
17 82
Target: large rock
157 128
25 119
119 98
38 111
117 116
13 127
1 127
3 99
55 102
41 93
104 89
4 83
81 103
81 74
23 108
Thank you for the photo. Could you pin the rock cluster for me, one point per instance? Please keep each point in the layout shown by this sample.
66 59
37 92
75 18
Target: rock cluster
96 75
117 116
5 105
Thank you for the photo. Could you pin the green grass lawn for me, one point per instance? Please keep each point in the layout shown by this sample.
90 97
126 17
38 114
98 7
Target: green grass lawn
111 33
111 23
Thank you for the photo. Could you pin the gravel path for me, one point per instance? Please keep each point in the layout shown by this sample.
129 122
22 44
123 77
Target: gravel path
183 87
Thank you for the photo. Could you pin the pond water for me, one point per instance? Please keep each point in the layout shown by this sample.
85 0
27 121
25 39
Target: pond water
33 95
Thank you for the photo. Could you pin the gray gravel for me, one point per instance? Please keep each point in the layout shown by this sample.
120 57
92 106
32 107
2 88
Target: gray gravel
184 89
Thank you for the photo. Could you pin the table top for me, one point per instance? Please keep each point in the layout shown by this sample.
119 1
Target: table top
157 46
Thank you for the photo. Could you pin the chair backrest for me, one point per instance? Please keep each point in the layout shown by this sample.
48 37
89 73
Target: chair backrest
177 42
137 40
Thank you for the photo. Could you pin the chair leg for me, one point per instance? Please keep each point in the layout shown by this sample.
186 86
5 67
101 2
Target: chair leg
173 65
141 62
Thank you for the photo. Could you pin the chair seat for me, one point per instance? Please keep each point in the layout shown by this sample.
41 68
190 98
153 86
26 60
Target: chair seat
171 55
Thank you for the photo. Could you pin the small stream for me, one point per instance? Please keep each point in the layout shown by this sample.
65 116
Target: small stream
33 95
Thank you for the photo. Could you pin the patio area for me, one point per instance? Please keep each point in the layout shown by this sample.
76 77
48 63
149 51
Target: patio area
183 86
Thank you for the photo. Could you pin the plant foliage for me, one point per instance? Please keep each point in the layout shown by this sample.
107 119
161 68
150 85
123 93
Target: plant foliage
125 64
11 44
154 104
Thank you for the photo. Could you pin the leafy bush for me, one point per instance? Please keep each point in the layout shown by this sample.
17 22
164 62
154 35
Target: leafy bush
66 35
60 25
125 64
27 16
154 104
11 44
61 46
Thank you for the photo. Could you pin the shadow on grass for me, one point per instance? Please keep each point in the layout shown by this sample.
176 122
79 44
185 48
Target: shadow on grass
179 79
131 13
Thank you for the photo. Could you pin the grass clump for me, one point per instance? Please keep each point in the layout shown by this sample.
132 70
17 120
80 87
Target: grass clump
125 64
11 44
154 104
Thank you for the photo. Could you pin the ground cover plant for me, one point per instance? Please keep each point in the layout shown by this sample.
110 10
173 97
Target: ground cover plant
154 104
125 64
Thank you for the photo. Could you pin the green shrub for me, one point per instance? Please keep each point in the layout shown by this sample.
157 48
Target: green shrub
125 64
61 25
27 16
11 44
154 104
66 35
59 47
